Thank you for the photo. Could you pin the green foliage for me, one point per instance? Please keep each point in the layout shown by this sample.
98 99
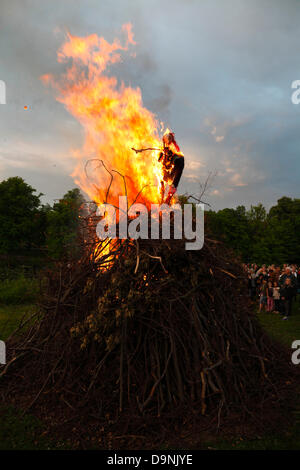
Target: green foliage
123 299
20 219
231 226
258 236
26 225
63 224
255 235
284 220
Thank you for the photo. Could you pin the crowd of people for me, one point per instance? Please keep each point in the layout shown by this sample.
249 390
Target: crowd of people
275 288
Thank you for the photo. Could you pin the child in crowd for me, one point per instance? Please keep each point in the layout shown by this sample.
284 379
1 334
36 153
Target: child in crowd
263 295
276 297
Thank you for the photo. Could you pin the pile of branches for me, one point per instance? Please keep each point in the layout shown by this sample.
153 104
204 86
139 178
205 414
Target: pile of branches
144 329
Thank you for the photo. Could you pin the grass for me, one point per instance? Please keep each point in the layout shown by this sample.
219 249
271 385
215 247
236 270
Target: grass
19 432
10 317
285 332
23 432
287 441
26 432
18 291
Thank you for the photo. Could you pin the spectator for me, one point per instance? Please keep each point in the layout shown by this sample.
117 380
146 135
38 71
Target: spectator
276 297
275 287
270 300
252 284
287 274
287 293
263 295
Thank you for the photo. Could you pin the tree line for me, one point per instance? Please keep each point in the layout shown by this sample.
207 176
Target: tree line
29 227
256 235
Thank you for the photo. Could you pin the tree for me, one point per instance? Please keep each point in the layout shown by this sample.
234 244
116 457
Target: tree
230 225
259 236
63 224
19 216
284 223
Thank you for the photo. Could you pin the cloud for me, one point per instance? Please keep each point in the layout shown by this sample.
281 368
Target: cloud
215 192
218 73
191 176
236 180
218 138
193 164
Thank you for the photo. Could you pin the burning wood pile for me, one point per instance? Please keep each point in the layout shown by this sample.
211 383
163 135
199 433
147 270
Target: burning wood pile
164 332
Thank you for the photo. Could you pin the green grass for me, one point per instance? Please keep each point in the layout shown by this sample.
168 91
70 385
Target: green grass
10 317
287 441
19 432
23 432
18 291
285 332
16 431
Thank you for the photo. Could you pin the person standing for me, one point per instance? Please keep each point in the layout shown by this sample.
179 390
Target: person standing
287 293
252 284
270 300
276 297
263 295
287 274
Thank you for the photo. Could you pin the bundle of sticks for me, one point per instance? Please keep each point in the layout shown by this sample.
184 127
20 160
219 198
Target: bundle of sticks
144 328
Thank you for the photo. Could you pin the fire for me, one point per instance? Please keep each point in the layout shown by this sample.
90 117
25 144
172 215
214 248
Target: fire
114 120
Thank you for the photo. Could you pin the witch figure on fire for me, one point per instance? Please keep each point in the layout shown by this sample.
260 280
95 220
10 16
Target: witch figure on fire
172 160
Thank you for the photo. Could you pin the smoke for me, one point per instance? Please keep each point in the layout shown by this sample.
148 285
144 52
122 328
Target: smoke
162 102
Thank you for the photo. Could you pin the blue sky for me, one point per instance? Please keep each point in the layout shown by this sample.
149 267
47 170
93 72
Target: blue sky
217 72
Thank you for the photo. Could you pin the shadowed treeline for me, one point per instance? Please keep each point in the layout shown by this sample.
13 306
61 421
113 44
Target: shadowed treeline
260 236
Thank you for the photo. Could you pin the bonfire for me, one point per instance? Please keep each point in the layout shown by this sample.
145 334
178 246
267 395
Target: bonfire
136 334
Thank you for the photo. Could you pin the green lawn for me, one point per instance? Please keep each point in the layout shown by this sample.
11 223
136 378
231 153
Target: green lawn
285 332
26 432
10 317
20 432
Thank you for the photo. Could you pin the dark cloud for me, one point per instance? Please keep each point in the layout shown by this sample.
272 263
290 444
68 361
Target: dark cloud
218 73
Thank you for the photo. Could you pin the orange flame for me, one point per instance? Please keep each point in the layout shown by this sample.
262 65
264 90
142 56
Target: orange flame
114 120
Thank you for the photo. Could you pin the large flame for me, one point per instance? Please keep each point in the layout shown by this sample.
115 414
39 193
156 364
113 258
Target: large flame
114 120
